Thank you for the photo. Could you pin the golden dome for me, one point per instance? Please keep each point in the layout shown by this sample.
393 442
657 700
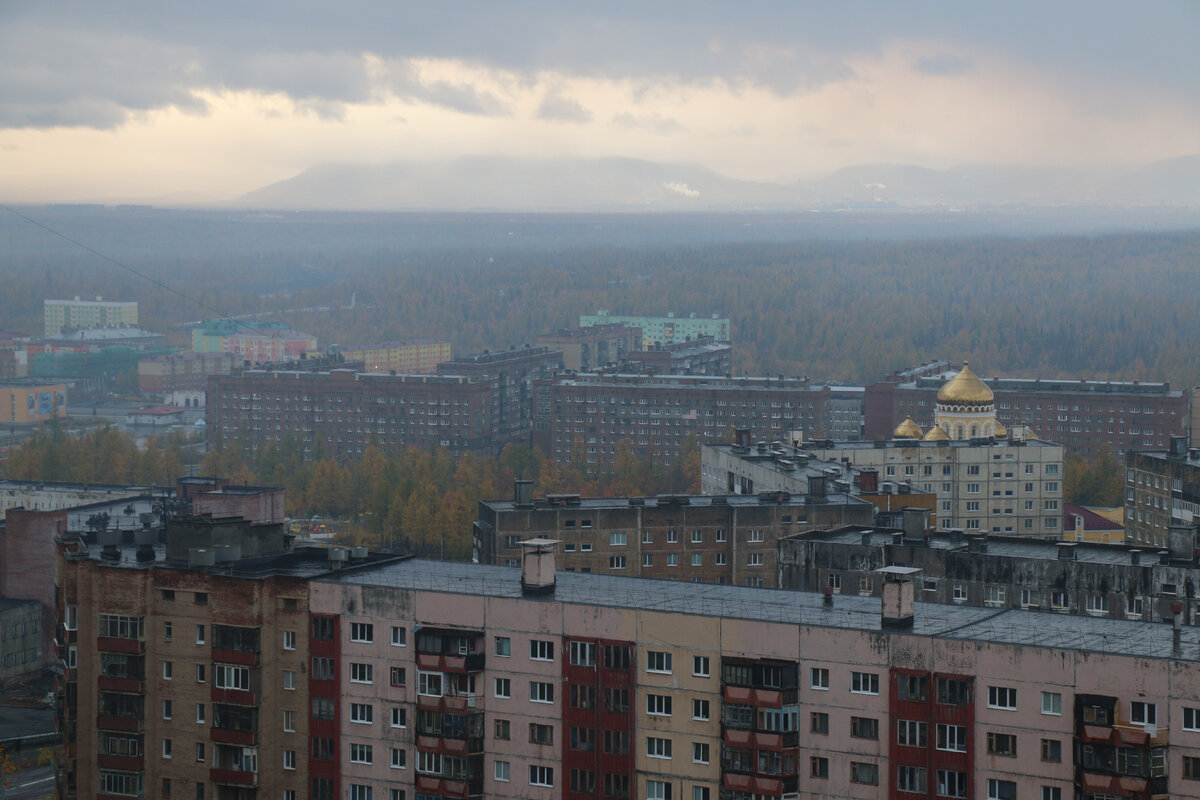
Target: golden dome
965 389
936 434
907 430
1000 432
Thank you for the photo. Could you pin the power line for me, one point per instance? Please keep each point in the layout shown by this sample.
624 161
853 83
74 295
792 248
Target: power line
123 266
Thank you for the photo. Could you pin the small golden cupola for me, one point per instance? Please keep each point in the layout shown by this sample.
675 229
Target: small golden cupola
1001 432
966 407
907 430
936 434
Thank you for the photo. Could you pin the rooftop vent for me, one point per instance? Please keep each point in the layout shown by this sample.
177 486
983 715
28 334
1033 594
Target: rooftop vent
522 494
201 557
538 566
898 607
1066 551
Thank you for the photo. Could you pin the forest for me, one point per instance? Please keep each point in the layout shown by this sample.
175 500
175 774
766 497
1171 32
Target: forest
1113 305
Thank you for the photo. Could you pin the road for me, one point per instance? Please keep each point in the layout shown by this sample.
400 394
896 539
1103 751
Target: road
31 784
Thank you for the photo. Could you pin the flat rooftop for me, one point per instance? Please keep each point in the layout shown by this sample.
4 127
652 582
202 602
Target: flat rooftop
693 501
1052 385
990 625
896 444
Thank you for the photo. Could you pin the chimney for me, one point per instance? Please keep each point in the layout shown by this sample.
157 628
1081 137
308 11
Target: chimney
816 489
1181 542
868 481
1066 551
916 525
145 539
1135 557
899 597
537 566
522 494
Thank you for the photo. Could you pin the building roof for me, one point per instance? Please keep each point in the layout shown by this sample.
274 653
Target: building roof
669 501
965 389
969 623
1091 520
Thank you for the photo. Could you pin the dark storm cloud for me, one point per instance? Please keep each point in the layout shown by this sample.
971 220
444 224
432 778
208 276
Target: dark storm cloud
94 63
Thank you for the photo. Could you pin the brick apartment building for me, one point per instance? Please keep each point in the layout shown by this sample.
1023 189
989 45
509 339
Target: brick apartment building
1162 489
589 415
709 539
160 375
337 413
1086 417
595 347
700 356
512 373
409 357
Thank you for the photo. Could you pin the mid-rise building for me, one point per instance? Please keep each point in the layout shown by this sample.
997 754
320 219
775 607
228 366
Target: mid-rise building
588 416
63 315
1086 417
511 374
710 539
1162 488
409 357
338 413
253 341
32 402
21 640
701 356
181 372
594 347
664 330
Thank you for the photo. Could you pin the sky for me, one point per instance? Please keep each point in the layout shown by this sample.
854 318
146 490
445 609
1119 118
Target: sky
123 100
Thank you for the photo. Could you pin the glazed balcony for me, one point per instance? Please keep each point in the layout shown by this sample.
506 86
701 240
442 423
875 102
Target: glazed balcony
233 777
457 664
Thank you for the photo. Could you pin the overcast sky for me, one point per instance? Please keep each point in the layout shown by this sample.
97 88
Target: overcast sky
107 100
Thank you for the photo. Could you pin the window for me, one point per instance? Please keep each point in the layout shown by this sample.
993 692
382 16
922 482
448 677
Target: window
1001 744
502 687
429 683
363 713
399 717
700 709
399 636
818 678
1143 713
541 776
541 734
864 728
818 767
754 559
541 692
647 559
1051 793
502 771
617 539
168 670
199 751
503 646
697 536
952 738
672 559
994 596
951 783
657 747
399 676
541 650
360 673
864 683
166 748
697 559
322 708
699 753
658 704
914 688
360 792
583 654
1052 703
911 733
700 666
1051 750
166 630
614 562
322 669
1002 697
362 632
361 753
1191 768
289 721
720 559
226 676
289 680
166 709
911 779
1191 719
199 634
1097 604
721 536
862 772
199 713
1001 790
657 661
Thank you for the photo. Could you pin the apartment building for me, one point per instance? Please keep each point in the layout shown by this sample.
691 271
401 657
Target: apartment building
701 356
339 412
63 315
593 347
664 330
1082 578
710 539
588 416
471 681
181 372
408 357
512 374
1162 489
1086 417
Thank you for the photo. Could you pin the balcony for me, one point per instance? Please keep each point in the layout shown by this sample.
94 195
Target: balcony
450 747
432 662
447 703
234 696
233 777
123 763
126 724
114 645
226 736
746 783
109 683
243 658
745 696
760 740
429 784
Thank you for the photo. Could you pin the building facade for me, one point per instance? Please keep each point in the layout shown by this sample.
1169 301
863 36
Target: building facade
31 403
664 330
709 539
22 623
63 315
593 347
338 413
1086 417
162 375
409 357
512 374
588 416
701 356
1162 488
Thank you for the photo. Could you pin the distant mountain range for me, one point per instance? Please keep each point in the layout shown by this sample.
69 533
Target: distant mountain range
624 184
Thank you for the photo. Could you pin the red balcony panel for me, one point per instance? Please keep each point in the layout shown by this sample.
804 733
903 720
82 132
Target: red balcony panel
738 783
768 741
235 696
431 785
739 695
436 744
740 739
118 724
768 786
123 763
1135 738
449 703
233 777
235 657
1134 787
245 738
113 645
107 683
1096 734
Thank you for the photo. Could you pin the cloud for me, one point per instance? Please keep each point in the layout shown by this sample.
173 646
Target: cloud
558 107
656 124
945 64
